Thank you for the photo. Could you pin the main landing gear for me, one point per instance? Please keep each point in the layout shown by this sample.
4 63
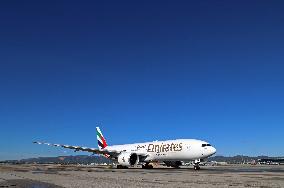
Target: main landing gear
121 167
196 167
147 166
196 164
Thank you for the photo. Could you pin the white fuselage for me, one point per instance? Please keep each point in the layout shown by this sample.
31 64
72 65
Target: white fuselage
170 150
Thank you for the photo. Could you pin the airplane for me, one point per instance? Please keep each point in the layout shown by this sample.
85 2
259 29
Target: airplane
171 152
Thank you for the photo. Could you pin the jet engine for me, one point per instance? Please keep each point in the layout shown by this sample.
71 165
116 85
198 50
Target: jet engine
128 159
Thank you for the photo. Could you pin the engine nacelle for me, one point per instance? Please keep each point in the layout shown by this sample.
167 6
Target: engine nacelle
128 159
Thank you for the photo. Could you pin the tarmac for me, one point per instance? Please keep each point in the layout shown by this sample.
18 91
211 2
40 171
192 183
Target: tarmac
57 176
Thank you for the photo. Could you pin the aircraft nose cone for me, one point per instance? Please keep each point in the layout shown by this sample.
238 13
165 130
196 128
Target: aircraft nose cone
213 150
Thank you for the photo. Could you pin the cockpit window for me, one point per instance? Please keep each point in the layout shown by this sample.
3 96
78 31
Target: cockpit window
204 145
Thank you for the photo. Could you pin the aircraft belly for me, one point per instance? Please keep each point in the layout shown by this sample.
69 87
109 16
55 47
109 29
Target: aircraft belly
170 156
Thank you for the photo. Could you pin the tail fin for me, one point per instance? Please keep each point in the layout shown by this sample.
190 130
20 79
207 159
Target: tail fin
101 140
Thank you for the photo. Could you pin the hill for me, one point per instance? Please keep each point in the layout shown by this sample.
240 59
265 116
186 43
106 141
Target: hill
78 159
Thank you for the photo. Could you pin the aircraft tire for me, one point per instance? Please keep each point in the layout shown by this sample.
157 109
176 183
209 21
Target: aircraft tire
196 167
121 167
147 166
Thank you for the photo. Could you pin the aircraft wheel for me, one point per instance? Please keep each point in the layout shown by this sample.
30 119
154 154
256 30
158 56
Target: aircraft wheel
196 167
147 166
121 167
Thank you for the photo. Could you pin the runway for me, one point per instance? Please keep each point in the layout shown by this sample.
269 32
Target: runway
56 176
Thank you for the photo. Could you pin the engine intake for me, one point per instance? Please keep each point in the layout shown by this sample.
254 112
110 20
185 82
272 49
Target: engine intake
128 159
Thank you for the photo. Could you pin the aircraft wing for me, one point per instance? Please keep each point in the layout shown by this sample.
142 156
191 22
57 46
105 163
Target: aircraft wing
111 153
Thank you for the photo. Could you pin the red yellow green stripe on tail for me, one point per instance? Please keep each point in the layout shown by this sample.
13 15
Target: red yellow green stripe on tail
101 140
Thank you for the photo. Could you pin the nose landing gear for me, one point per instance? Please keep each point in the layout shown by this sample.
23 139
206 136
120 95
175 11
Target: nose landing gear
196 167
196 164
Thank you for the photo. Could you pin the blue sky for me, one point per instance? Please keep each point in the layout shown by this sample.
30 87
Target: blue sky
144 70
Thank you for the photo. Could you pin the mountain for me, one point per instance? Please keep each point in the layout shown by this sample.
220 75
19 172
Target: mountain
241 159
78 159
